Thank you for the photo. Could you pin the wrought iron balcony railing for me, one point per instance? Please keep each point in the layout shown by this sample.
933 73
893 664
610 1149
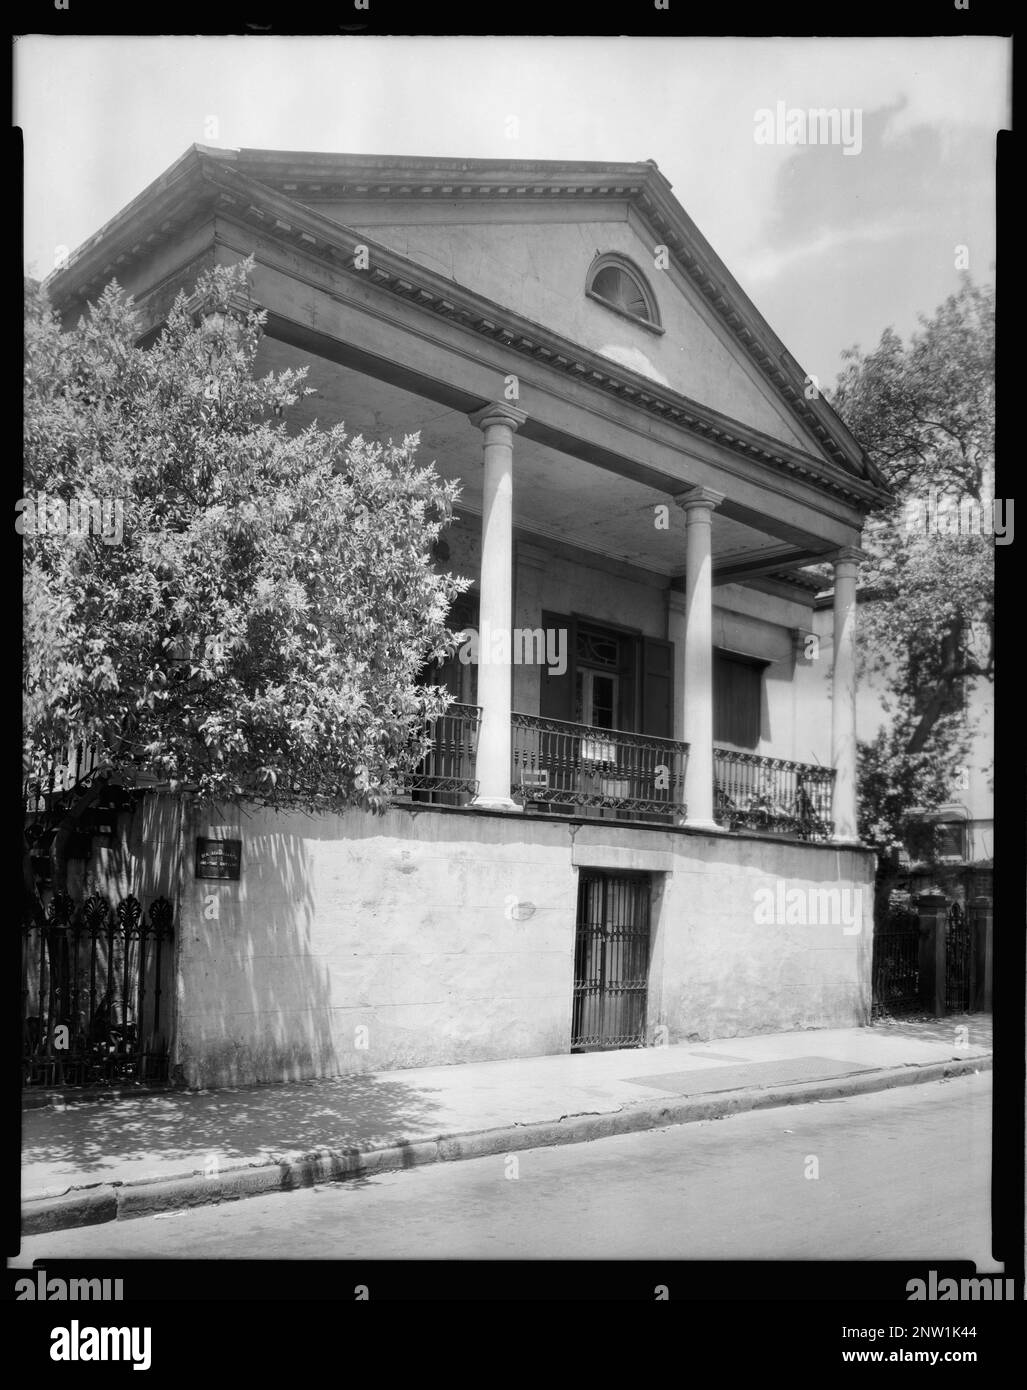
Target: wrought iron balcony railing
64 772
446 777
773 795
578 767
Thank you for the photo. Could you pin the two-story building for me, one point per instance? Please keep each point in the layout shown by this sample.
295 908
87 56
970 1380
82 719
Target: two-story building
645 741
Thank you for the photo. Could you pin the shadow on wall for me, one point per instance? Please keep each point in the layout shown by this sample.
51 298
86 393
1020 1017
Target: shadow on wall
142 858
354 943
254 996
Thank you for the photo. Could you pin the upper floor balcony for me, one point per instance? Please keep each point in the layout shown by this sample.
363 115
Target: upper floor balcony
584 770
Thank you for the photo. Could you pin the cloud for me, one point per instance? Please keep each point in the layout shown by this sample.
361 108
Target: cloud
766 263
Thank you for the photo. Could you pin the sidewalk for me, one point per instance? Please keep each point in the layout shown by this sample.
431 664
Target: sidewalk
123 1156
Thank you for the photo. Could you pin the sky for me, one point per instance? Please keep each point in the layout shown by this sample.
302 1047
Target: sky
833 247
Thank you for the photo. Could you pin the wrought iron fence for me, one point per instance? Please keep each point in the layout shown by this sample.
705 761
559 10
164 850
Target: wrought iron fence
579 767
96 993
958 948
895 970
774 795
446 777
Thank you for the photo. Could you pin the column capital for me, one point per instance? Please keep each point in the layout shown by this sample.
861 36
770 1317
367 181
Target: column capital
849 555
498 413
695 497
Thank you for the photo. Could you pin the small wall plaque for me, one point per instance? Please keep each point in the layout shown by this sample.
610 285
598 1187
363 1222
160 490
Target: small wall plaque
218 858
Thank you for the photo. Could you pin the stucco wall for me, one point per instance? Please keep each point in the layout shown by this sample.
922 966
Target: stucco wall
728 972
450 937
539 269
141 859
593 591
395 925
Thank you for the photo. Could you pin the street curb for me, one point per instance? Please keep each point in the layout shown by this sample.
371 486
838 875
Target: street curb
120 1201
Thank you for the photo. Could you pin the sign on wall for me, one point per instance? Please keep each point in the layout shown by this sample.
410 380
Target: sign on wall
218 858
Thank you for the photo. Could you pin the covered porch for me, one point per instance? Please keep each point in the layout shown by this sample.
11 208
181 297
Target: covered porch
603 506
603 497
642 593
608 774
599 613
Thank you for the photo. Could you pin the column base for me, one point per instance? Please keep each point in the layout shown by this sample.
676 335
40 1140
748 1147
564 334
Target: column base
495 803
846 841
707 825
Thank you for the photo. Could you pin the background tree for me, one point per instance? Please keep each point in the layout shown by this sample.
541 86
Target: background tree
924 412
257 628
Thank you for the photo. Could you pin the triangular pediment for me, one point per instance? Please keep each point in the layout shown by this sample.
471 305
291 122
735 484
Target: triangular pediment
524 234
516 240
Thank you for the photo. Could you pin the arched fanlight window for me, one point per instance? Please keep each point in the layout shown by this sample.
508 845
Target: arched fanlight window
616 284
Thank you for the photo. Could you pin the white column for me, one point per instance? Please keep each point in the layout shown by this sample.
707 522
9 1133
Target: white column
498 422
843 696
696 695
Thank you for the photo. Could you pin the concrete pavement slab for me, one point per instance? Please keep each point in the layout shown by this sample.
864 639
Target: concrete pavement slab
223 1144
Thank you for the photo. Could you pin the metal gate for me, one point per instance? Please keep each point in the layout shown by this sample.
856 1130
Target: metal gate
896 964
611 961
97 989
958 937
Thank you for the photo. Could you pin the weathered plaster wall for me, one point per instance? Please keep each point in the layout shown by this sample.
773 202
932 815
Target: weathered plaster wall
592 590
539 270
451 937
397 925
726 973
141 860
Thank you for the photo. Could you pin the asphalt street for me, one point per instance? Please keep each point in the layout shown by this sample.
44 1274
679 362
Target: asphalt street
899 1174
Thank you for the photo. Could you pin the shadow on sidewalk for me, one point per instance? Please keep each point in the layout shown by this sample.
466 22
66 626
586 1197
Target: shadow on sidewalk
234 1123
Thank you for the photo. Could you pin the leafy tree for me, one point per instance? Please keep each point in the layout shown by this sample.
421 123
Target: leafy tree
251 621
924 411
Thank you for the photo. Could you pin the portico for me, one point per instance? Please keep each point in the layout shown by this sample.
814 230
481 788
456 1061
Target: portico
689 632
643 734
565 421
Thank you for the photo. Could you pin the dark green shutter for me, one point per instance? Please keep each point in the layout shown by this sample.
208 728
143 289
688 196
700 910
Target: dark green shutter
657 687
737 699
556 695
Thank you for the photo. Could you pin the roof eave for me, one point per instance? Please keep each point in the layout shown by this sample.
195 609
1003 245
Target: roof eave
187 178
